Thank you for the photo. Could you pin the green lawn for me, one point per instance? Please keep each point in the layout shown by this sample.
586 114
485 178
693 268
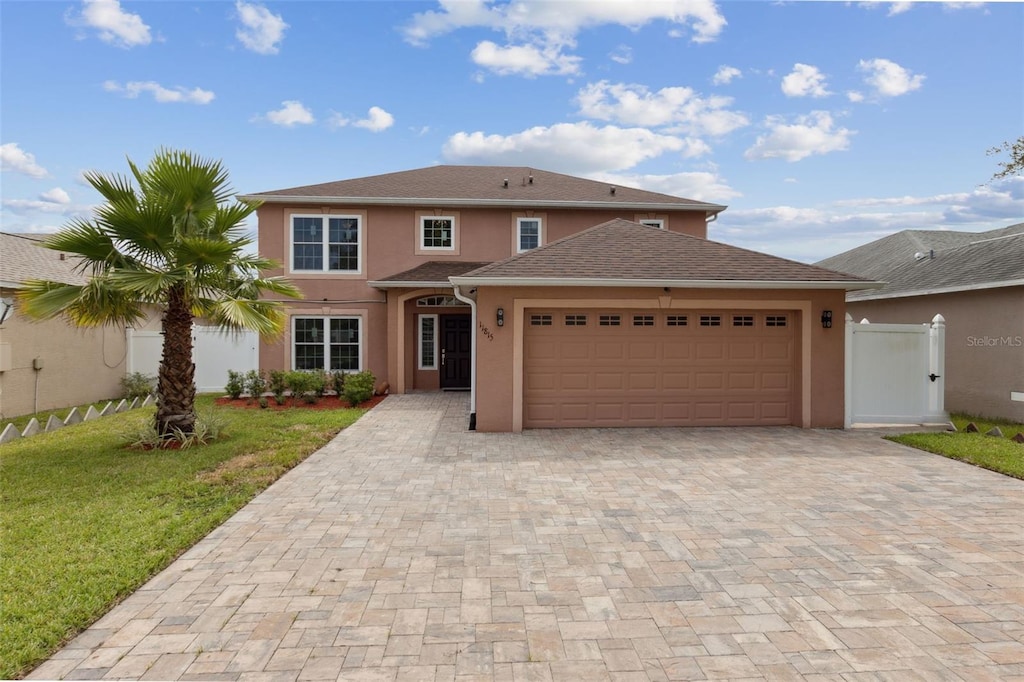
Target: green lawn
998 454
85 521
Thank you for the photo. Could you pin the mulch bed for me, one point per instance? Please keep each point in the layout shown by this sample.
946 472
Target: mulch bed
328 402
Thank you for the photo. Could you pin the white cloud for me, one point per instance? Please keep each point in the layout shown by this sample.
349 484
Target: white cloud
889 79
376 120
623 54
337 120
898 8
805 81
702 186
524 60
566 147
538 31
291 113
56 196
133 89
261 30
679 107
855 96
806 136
14 158
726 74
115 26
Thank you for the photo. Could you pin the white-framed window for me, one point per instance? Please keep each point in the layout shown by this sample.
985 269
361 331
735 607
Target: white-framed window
529 233
428 341
439 301
653 222
437 233
326 243
334 344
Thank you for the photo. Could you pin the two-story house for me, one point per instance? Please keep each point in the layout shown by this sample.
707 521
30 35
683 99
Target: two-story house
558 301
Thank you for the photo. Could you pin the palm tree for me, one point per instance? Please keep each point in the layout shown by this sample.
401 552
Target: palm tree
170 240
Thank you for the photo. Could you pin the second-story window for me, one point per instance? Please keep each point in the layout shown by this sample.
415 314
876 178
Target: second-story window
437 232
528 233
325 243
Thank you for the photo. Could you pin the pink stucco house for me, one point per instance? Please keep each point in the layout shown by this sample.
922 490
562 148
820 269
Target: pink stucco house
557 301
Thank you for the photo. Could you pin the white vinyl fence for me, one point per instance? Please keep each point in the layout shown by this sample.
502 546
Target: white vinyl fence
894 372
215 351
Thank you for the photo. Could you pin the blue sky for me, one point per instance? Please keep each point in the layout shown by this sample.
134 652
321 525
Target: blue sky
822 125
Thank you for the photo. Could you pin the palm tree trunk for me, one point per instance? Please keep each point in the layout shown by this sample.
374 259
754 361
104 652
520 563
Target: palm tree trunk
176 387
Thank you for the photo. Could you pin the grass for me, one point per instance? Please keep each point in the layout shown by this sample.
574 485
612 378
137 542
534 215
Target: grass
85 521
22 421
998 454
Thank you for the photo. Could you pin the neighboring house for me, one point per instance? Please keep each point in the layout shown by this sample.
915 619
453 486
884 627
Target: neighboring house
51 364
975 280
559 301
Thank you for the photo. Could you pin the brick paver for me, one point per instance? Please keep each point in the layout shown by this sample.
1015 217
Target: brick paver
411 549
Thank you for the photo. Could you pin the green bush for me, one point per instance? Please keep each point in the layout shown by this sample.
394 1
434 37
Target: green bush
359 387
137 385
278 384
323 382
263 402
303 385
255 383
235 385
338 383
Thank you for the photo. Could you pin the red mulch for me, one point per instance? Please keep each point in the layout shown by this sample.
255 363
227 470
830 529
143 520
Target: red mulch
328 402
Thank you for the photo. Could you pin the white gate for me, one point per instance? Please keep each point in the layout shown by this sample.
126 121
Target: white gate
894 372
214 351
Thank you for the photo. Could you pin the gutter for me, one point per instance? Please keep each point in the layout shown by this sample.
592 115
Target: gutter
671 283
455 202
471 300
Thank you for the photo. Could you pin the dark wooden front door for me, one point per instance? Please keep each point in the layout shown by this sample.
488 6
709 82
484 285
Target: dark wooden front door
455 351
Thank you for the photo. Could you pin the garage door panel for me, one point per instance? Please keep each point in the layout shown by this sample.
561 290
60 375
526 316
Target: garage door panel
659 374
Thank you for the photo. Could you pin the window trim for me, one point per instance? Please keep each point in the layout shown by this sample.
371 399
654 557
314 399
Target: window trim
419 342
324 244
421 246
361 346
519 232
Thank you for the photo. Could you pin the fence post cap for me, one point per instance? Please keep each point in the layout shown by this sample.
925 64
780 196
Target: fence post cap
938 319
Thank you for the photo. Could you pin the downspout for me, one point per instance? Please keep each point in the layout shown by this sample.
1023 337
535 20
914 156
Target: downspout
711 218
468 298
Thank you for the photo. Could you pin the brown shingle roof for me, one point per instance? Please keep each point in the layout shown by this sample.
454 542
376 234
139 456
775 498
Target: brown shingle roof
22 257
435 271
481 185
621 250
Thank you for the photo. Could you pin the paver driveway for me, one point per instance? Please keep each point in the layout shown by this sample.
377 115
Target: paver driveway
411 549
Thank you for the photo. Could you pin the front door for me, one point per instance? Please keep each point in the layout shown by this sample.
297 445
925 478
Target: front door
455 351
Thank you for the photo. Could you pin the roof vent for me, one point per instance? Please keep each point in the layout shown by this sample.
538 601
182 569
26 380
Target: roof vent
921 255
531 178
63 256
612 189
505 183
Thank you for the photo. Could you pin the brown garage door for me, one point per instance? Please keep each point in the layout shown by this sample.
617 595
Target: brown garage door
638 368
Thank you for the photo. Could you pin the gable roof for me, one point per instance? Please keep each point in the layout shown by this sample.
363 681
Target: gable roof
921 262
24 257
482 186
624 253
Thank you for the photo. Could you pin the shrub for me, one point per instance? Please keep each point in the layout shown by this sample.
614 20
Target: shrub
338 383
323 382
263 402
137 385
209 426
278 384
235 385
303 385
359 387
255 383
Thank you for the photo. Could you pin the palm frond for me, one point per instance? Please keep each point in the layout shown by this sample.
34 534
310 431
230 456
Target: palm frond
266 318
88 305
113 187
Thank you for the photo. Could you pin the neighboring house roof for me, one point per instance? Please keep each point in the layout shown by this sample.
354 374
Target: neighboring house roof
482 186
624 253
22 257
433 273
922 262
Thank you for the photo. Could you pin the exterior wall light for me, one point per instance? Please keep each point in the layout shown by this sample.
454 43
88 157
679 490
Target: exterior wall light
826 319
501 317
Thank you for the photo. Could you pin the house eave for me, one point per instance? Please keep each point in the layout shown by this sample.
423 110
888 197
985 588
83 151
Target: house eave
388 284
481 203
938 290
671 283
